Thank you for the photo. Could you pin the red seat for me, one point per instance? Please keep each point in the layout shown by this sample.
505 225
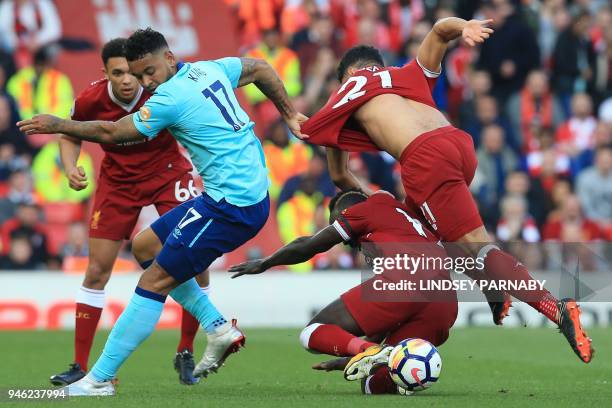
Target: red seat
63 213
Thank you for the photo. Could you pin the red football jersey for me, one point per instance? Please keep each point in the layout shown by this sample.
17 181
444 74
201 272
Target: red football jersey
133 161
332 125
382 219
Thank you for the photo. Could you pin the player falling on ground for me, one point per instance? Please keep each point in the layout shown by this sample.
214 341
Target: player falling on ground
196 103
392 109
377 224
132 175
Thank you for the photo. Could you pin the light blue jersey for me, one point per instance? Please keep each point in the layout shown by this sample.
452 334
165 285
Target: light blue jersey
199 108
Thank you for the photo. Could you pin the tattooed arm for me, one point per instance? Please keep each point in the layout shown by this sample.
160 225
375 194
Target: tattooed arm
260 73
98 131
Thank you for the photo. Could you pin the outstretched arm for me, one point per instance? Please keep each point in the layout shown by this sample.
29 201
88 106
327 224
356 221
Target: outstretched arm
98 131
297 251
260 73
434 45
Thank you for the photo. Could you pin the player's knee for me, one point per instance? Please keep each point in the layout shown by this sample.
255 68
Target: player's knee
306 333
144 248
97 275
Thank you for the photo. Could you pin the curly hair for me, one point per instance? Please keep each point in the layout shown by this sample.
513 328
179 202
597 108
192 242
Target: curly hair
143 42
359 56
113 48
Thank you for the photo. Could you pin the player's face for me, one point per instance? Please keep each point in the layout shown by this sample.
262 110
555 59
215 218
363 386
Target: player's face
154 69
125 86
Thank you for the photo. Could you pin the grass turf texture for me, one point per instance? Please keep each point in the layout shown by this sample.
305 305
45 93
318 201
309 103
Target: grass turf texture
481 367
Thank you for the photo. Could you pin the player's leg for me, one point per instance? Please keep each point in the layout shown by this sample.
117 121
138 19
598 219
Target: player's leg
334 331
433 324
89 305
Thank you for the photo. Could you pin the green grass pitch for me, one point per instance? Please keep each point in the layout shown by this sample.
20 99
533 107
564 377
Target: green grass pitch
484 367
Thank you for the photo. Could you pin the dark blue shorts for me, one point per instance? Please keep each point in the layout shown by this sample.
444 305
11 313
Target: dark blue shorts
200 230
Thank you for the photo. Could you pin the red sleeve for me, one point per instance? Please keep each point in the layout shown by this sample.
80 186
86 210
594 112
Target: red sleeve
79 110
415 72
353 222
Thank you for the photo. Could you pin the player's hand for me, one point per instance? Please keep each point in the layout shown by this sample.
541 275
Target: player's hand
40 124
77 179
338 364
247 268
294 124
476 31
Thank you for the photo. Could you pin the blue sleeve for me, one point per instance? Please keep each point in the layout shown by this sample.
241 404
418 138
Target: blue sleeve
157 114
232 66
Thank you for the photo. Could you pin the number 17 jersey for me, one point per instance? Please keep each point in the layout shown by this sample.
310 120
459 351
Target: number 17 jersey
198 106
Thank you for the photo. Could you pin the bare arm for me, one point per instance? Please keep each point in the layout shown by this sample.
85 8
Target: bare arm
297 251
260 73
98 131
70 150
337 164
434 45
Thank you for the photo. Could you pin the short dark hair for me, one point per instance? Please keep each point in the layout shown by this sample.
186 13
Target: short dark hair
344 200
359 56
143 42
112 49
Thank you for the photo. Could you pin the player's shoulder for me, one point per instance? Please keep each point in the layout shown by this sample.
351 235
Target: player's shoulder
94 90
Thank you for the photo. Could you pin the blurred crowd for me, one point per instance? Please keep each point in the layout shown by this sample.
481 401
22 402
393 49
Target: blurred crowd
536 98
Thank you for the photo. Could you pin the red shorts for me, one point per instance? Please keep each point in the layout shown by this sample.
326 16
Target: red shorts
117 205
426 320
437 169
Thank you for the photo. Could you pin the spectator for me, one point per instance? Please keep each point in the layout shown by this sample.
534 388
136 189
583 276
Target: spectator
532 108
9 133
308 43
284 158
76 244
509 54
594 189
316 172
519 184
296 215
556 159
600 85
379 167
27 224
284 61
518 231
495 161
27 25
10 162
487 114
554 19
40 88
575 136
570 216
7 68
20 192
479 85
50 183
254 17
20 256
572 59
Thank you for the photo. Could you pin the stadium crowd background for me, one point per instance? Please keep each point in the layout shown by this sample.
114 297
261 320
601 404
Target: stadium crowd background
536 98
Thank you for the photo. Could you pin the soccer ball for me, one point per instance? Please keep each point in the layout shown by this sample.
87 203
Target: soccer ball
415 364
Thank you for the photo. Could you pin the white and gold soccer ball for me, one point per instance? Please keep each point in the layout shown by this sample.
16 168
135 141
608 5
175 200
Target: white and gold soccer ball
415 364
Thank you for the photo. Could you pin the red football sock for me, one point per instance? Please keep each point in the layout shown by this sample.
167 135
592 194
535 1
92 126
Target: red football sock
189 328
380 382
86 321
331 339
500 265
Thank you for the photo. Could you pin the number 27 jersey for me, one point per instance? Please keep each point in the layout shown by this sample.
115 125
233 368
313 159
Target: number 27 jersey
332 125
198 106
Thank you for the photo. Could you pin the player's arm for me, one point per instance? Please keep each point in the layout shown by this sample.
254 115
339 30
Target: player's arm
70 149
434 45
343 178
259 72
299 250
97 131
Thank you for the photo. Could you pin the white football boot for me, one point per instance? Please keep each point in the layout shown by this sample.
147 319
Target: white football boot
226 340
88 387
